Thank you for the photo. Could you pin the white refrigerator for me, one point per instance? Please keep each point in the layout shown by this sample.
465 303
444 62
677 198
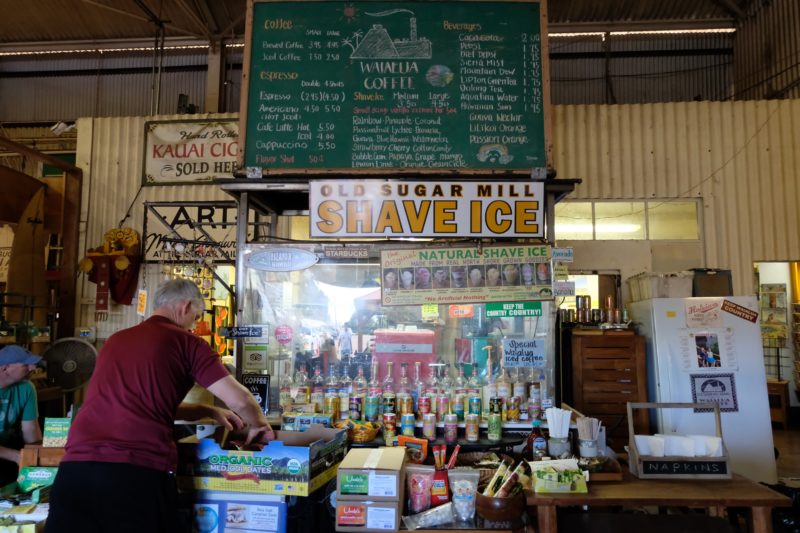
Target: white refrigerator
704 350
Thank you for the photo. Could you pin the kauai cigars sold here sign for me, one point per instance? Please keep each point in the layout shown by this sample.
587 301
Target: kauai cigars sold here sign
380 208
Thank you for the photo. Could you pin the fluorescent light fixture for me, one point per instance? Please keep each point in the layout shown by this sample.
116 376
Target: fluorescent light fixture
618 33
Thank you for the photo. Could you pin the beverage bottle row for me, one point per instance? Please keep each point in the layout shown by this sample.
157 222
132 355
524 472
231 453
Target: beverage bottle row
510 393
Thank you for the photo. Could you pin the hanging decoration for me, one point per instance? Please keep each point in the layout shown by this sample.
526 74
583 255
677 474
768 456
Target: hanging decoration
114 267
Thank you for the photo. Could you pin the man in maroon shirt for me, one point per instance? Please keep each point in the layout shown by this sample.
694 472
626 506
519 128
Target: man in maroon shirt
120 454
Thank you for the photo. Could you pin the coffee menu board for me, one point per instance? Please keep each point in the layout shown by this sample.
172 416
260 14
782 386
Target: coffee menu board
394 85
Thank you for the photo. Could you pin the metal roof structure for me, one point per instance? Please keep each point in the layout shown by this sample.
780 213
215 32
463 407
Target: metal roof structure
43 23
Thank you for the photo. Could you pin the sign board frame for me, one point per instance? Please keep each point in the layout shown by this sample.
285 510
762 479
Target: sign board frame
282 67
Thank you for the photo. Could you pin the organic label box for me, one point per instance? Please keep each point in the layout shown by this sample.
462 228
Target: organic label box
295 464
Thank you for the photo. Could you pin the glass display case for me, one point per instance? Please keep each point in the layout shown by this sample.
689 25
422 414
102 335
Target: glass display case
324 324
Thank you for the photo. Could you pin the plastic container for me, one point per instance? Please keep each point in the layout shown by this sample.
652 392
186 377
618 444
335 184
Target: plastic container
558 446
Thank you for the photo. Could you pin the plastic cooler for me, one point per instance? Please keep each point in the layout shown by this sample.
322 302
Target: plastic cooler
404 347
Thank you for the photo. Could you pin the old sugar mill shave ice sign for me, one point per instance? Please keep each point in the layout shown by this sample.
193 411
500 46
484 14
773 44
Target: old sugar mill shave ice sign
379 208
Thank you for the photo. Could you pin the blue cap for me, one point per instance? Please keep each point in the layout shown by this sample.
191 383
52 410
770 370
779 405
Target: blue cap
17 354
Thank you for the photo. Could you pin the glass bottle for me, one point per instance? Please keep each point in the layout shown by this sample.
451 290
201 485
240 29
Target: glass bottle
404 384
432 388
489 390
345 389
374 386
331 383
503 385
405 402
318 390
360 383
303 391
286 385
417 387
389 398
474 384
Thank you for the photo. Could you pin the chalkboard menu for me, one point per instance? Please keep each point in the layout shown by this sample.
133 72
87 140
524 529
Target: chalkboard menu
423 86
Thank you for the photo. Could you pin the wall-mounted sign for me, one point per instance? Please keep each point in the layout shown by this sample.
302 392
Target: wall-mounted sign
189 152
346 252
280 259
563 255
379 208
177 231
394 85
284 334
254 358
461 311
465 275
715 388
258 385
563 288
502 310
523 353
244 332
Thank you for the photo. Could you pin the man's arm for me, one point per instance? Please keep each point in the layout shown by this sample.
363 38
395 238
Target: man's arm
31 432
241 401
196 411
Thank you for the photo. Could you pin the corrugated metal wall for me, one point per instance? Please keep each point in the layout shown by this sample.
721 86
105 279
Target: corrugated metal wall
741 158
65 87
110 152
641 69
767 57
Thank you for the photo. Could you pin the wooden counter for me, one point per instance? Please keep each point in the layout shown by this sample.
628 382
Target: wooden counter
714 496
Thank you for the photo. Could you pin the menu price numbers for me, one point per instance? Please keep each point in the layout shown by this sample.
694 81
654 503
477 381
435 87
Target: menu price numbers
316 159
319 56
321 96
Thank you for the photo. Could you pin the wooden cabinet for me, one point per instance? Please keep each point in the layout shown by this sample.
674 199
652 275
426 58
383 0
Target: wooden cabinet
608 372
778 395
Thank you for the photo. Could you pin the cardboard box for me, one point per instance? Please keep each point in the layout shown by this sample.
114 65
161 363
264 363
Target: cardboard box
372 473
296 464
225 512
368 515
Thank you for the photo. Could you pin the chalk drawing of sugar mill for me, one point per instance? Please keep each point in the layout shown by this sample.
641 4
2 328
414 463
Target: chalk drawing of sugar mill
378 44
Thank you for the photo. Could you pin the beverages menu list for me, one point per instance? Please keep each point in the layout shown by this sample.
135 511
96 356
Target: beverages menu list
394 85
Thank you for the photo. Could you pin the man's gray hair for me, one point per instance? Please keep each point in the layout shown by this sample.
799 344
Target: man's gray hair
177 290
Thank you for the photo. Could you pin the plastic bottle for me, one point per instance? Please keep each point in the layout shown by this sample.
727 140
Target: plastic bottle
535 445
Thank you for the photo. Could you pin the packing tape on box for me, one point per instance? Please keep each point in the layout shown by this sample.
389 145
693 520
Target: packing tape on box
373 459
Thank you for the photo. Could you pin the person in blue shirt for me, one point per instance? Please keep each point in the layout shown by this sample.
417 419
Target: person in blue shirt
19 410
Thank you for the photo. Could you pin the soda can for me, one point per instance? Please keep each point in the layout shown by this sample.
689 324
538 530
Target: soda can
450 429
495 431
424 406
442 406
429 426
512 409
407 424
458 407
389 403
332 407
372 408
496 406
355 407
389 425
475 405
472 421
405 404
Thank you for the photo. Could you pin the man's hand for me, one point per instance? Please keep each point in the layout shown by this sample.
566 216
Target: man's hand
260 434
227 418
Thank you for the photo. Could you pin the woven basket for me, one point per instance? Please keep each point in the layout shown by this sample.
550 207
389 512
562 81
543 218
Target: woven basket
362 434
